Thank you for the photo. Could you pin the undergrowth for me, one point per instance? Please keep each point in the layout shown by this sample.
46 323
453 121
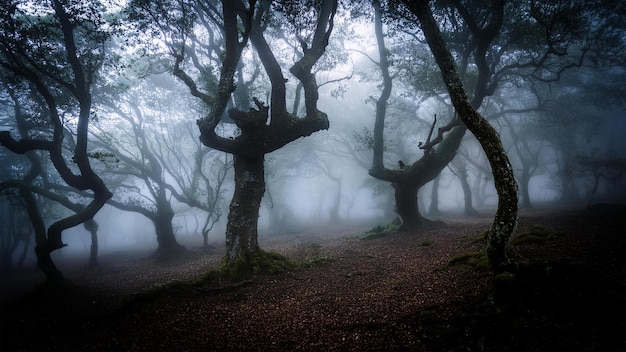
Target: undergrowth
381 230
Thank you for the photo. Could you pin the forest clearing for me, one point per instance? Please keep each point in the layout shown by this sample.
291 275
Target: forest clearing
392 292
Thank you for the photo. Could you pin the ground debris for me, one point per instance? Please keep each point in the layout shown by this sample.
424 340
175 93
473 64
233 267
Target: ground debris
386 293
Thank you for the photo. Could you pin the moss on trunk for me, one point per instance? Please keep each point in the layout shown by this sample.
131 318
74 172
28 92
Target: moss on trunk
241 231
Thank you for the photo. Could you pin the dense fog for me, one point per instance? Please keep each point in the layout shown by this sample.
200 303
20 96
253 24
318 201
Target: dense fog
562 126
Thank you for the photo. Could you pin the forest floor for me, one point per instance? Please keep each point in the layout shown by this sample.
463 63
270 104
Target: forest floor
402 291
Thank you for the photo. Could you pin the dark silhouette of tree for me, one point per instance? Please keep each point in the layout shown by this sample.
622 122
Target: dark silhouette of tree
153 149
57 53
459 168
495 46
144 164
407 180
37 180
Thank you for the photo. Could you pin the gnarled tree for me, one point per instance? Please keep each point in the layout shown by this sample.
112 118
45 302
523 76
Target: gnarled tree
57 52
265 128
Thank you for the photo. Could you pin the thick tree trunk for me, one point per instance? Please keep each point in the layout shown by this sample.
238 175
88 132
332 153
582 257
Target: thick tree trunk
405 194
243 216
168 248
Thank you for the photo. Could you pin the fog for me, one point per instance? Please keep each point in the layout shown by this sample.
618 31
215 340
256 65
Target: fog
563 138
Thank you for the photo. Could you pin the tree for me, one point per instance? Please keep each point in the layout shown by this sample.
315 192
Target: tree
265 128
57 53
409 177
140 161
505 221
159 158
576 121
459 168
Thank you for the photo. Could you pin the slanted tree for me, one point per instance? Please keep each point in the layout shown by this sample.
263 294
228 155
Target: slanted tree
58 52
505 221
493 51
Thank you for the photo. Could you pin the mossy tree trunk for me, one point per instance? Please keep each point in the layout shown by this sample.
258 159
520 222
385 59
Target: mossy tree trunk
505 221
241 230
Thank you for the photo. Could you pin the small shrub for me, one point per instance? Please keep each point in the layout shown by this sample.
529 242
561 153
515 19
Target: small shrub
260 262
536 234
426 242
382 230
477 261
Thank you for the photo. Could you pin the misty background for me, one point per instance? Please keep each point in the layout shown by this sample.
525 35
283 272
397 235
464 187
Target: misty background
564 139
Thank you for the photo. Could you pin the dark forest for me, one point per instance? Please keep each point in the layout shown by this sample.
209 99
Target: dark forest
311 175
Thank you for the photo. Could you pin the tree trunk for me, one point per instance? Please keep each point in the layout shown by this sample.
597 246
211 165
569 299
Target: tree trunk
467 191
243 216
524 181
405 194
42 250
92 227
569 193
334 210
433 209
169 248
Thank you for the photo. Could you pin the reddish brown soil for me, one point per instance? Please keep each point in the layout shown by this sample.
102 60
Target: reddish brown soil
389 293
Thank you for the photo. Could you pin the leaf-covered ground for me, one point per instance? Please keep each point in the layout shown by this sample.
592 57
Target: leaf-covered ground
394 292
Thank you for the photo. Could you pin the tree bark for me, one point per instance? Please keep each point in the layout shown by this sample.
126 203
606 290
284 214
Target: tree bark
242 230
505 221
405 194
